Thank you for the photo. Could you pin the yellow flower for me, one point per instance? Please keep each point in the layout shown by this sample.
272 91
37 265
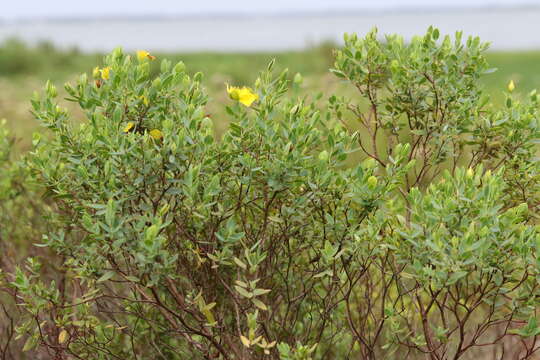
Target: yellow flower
105 73
156 134
96 72
144 100
143 55
511 86
244 95
130 125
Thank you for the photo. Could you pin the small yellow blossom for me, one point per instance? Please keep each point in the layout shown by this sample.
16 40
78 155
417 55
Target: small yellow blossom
144 100
156 134
143 55
129 126
511 86
106 73
244 95
96 72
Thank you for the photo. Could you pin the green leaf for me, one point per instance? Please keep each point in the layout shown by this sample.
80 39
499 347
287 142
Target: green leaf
258 292
258 303
338 73
243 292
240 263
30 343
108 275
456 276
109 213
242 284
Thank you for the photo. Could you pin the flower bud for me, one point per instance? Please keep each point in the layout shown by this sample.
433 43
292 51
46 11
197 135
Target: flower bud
180 67
369 163
372 181
298 79
207 123
51 90
511 86
83 79
323 156
156 134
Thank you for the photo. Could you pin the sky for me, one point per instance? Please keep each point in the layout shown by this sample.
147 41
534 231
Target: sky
28 9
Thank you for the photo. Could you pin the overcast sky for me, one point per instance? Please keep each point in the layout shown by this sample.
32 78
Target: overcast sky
16 9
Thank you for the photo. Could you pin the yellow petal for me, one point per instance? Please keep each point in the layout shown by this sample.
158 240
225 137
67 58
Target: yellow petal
144 100
129 126
96 72
156 134
511 86
62 337
105 73
143 55
246 96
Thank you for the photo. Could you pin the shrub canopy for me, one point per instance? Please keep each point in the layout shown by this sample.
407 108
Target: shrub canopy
402 221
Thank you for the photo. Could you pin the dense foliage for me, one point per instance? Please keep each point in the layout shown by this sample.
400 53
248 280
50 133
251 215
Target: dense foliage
400 223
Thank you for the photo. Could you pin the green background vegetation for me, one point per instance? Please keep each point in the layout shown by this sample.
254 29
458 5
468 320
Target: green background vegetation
24 69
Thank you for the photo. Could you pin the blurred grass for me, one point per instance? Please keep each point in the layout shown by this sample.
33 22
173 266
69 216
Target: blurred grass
25 69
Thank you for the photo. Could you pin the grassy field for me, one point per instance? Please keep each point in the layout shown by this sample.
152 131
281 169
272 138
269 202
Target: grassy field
24 70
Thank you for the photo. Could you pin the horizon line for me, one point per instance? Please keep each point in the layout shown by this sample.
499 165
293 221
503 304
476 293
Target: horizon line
294 13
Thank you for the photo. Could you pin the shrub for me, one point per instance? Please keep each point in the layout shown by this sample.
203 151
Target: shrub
278 241
21 222
21 208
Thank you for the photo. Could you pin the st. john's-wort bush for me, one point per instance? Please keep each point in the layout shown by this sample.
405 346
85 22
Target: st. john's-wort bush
397 224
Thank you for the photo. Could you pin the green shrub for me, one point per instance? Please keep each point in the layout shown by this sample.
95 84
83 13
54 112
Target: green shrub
21 208
21 223
269 243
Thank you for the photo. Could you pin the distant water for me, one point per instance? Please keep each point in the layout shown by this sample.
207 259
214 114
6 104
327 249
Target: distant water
508 29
